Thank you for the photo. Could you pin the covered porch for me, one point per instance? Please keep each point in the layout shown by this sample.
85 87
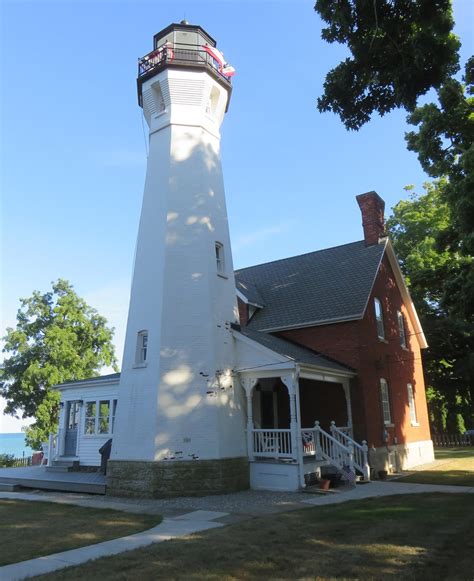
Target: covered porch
299 415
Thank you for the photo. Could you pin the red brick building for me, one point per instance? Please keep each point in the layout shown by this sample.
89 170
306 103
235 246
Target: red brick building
351 305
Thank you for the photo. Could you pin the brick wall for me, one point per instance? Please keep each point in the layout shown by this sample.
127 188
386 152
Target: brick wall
356 344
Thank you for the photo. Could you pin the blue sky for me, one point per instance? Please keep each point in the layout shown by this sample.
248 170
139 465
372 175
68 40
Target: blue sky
73 153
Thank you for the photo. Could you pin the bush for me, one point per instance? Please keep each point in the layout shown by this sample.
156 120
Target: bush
7 460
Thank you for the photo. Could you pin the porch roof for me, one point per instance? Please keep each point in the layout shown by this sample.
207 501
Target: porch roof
293 351
100 379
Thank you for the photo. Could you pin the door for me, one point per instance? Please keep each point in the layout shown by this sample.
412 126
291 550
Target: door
72 421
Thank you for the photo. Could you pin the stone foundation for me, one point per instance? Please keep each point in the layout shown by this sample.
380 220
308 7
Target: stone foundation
401 456
168 479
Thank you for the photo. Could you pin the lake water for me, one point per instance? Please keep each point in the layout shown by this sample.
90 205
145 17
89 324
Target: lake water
14 444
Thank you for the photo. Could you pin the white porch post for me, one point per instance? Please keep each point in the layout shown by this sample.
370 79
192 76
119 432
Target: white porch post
249 383
291 382
347 392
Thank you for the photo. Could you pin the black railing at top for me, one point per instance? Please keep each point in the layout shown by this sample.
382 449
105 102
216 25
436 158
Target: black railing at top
169 54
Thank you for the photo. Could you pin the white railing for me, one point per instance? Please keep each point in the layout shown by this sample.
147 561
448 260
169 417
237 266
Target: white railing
272 443
360 451
329 448
346 430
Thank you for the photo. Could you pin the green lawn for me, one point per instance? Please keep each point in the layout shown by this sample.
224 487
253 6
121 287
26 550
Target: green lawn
453 466
413 537
35 529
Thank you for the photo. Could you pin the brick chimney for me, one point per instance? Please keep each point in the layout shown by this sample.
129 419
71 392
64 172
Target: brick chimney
372 206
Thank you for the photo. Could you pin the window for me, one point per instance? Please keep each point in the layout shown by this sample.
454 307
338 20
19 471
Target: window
379 319
384 396
90 417
142 348
220 258
411 404
401 329
100 417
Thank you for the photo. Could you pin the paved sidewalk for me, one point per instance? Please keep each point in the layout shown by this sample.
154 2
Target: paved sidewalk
205 512
168 529
377 488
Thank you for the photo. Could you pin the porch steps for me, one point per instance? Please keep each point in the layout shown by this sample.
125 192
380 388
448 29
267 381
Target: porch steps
4 487
63 466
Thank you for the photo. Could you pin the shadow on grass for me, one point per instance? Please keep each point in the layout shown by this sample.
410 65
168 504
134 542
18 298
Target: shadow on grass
454 453
413 537
446 477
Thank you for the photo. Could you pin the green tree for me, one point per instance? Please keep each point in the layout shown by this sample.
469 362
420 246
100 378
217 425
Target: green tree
444 143
399 50
58 338
433 273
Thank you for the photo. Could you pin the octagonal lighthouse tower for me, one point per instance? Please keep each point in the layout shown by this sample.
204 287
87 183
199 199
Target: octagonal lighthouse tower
179 423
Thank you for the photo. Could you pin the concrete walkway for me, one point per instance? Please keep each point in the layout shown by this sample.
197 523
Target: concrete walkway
245 505
168 529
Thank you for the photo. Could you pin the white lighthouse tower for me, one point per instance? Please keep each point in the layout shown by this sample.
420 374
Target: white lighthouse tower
179 423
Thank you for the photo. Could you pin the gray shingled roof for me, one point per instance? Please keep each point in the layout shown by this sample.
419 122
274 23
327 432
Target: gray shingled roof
251 292
323 286
296 352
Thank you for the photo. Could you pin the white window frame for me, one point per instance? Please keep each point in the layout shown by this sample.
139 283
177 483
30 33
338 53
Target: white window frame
385 401
379 319
401 329
142 348
412 405
96 417
220 258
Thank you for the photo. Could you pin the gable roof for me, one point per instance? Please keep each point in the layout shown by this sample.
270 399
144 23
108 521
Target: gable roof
320 287
291 350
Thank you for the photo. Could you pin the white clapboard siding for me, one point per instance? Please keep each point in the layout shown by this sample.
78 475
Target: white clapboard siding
88 446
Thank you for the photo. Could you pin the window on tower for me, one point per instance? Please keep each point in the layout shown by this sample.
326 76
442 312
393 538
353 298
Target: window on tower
220 263
142 348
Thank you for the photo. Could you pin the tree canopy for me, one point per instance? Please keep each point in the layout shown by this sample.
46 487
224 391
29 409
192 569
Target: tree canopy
399 50
58 338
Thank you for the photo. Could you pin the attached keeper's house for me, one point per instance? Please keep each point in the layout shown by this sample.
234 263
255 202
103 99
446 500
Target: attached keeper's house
262 377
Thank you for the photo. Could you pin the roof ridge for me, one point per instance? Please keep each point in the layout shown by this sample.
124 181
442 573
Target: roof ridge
239 270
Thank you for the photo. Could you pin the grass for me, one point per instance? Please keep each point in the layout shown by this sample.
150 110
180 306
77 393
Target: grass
412 537
35 529
453 466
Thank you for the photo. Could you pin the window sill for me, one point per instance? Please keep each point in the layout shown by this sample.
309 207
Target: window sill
222 275
415 424
389 425
139 365
405 349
